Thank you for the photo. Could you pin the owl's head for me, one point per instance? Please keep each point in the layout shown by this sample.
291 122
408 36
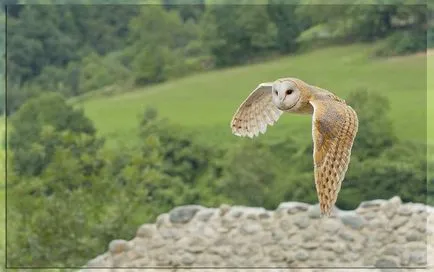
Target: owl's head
287 95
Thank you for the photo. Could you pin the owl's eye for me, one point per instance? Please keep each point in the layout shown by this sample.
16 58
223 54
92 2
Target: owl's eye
288 92
275 92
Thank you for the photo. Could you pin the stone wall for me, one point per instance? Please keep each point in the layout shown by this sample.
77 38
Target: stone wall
379 234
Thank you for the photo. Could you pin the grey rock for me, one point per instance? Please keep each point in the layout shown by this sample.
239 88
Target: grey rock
184 214
247 250
314 211
156 242
235 213
196 244
352 219
266 219
252 216
356 246
118 246
385 236
302 221
404 210
208 232
417 207
347 236
339 248
421 227
396 200
369 215
264 216
398 221
188 258
386 262
330 225
290 244
204 215
250 227
170 233
162 220
309 234
221 241
293 207
274 253
301 255
285 224
347 257
391 206
265 238
228 222
418 257
146 231
392 250
376 203
378 223
224 251
163 259
310 245
414 236
224 209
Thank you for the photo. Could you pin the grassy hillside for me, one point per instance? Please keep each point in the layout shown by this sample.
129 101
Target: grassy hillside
206 102
430 97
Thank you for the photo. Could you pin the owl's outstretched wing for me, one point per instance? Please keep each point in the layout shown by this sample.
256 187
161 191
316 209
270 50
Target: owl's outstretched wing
256 112
334 127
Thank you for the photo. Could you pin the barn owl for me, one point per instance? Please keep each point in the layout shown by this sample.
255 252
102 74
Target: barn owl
334 128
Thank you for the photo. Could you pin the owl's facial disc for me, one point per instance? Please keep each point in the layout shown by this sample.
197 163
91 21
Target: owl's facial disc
285 95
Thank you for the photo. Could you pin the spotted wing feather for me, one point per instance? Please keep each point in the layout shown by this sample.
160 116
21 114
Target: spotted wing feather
334 128
255 113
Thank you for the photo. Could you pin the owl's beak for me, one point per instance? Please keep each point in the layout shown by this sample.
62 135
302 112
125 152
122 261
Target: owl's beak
282 99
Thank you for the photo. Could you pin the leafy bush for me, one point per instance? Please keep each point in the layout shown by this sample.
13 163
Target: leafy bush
98 71
43 123
375 133
403 42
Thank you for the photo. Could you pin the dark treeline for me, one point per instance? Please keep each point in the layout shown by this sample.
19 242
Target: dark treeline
69 196
75 49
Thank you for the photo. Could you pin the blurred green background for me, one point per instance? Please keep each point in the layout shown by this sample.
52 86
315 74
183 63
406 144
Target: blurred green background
117 113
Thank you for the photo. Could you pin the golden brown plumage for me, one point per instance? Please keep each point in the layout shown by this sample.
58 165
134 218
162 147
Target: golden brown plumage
334 127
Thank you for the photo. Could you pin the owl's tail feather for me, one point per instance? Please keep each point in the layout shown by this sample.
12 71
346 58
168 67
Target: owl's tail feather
327 200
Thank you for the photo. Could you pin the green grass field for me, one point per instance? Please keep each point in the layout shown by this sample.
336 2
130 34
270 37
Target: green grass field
206 102
430 97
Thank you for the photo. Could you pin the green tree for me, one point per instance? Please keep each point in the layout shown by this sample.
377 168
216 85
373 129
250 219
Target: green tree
195 165
191 11
289 25
400 170
158 55
98 71
247 32
31 36
402 24
248 174
33 135
375 133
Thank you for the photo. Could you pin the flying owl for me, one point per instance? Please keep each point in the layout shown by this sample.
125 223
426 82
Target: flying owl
334 127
